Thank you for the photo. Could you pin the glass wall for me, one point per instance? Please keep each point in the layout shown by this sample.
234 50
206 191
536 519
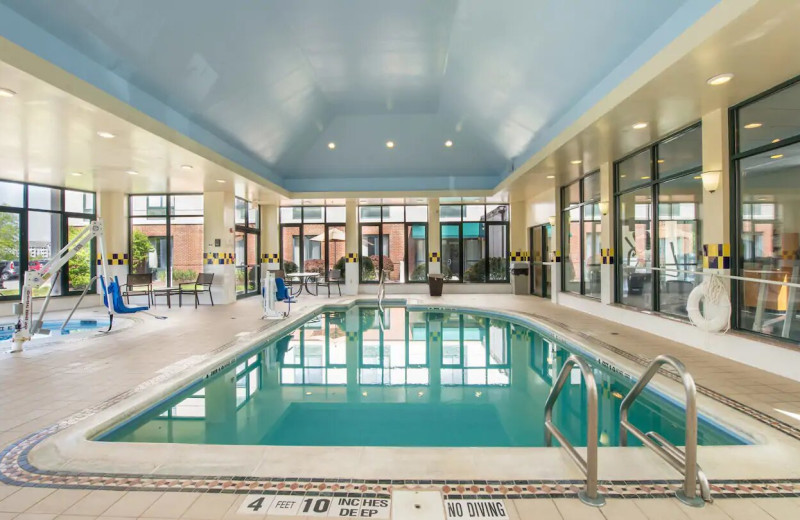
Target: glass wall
166 237
313 237
766 234
665 236
35 223
246 247
474 242
582 227
394 239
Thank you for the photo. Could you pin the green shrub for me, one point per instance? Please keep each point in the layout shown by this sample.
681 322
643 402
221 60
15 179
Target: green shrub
183 275
498 268
141 249
289 267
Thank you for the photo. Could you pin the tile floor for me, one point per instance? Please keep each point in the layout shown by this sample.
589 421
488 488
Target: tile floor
46 384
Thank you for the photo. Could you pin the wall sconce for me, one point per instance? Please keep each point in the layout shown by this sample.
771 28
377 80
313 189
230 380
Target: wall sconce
603 207
711 180
552 220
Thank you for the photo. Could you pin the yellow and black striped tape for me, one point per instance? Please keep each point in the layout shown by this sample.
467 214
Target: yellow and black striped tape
716 256
218 258
271 258
436 336
519 334
114 259
607 255
520 256
352 336
352 258
434 257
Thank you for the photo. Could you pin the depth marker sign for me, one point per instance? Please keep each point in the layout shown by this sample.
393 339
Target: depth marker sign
457 509
337 507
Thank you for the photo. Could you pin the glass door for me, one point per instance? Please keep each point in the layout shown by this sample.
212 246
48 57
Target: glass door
246 261
540 280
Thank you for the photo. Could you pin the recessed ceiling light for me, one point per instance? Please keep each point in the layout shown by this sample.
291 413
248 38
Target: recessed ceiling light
639 126
660 161
77 174
448 143
186 167
576 161
7 92
776 156
551 176
221 181
389 144
332 145
132 172
106 135
750 126
720 79
776 140
622 176
644 178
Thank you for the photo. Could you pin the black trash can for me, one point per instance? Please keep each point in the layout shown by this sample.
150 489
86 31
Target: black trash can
435 284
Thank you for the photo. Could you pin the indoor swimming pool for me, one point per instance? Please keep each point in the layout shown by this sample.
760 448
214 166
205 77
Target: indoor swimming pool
405 378
54 326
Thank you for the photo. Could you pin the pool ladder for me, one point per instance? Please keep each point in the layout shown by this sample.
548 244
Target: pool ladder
684 461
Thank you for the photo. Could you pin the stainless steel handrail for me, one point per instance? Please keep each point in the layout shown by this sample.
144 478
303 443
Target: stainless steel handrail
74 308
684 461
588 466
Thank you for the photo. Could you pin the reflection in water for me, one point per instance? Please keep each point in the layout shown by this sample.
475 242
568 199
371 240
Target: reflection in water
417 379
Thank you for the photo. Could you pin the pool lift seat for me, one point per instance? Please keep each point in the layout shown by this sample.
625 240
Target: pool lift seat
274 290
684 460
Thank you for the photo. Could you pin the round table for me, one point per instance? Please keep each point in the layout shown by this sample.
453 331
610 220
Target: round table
304 279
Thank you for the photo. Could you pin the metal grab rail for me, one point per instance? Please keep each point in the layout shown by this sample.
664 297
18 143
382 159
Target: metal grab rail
588 494
684 461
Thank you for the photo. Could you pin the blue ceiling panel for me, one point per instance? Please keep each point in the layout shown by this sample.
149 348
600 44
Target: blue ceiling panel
270 83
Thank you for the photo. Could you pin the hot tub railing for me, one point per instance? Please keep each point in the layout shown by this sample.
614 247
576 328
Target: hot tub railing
588 495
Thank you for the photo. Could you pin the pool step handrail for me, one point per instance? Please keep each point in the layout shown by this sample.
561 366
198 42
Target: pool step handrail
77 303
684 460
588 495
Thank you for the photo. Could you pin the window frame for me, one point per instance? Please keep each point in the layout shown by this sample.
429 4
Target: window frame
653 185
565 211
301 228
406 225
486 247
249 228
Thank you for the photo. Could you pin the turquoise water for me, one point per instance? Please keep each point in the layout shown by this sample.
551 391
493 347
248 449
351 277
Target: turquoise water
426 379
7 329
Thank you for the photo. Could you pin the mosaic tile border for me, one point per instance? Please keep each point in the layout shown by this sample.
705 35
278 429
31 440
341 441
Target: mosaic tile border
16 470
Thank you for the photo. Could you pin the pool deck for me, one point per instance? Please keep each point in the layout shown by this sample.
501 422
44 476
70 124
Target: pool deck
47 384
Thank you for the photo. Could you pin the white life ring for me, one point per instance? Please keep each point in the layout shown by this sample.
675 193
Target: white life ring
716 314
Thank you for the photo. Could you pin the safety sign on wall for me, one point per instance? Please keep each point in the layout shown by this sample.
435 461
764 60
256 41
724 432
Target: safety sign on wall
336 507
484 508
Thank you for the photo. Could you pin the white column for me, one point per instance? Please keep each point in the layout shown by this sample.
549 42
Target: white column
607 233
218 244
434 238
715 210
112 208
352 247
270 238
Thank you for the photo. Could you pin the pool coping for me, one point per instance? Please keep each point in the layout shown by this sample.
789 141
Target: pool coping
42 458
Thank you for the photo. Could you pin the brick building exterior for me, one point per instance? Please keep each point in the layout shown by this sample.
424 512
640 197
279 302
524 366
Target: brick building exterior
187 248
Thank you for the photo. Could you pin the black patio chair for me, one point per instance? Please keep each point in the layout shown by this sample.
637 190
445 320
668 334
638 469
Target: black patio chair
334 278
201 285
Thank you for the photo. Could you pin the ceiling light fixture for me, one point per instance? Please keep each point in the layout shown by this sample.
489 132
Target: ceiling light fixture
332 145
750 126
645 177
551 176
720 79
448 143
132 172
7 92
389 144
221 181
77 174
776 156
106 135
186 167
776 141
711 180
576 161
660 161
639 126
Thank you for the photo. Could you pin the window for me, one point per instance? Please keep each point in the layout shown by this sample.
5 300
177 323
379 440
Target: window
246 247
581 241
166 237
313 239
474 242
35 223
658 243
394 240
766 231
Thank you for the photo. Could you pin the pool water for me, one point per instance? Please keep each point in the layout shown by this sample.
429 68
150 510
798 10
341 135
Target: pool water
7 329
414 378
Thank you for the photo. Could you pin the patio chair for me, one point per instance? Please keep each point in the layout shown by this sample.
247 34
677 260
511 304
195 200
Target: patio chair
201 285
138 285
334 278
